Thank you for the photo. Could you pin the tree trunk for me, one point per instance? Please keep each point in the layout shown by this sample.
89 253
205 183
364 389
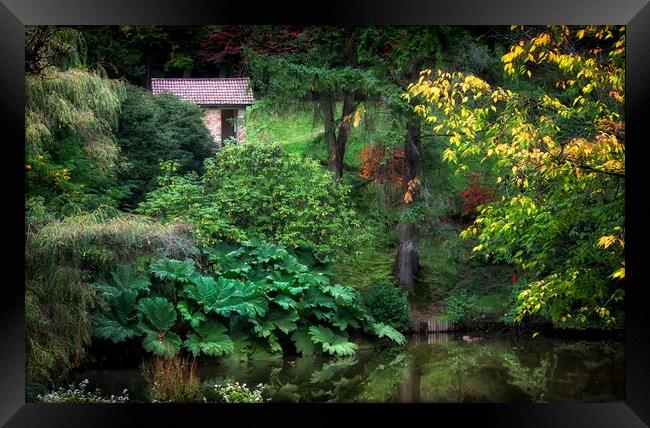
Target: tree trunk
336 142
408 261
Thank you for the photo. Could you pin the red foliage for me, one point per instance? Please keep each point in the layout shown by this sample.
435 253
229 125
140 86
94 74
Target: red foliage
381 166
226 44
476 194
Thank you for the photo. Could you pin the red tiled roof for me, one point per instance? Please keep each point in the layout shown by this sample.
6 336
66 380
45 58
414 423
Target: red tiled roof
232 91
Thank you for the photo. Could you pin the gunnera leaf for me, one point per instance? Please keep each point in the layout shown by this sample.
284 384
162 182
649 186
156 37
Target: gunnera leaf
332 343
209 338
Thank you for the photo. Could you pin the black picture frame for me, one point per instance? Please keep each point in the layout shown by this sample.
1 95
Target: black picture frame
15 14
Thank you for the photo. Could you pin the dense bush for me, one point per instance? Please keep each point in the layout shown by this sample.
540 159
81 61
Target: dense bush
388 304
254 191
71 158
62 259
155 128
257 297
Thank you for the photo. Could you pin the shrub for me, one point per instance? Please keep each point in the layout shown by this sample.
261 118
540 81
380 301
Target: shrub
173 380
155 128
253 191
254 298
62 259
388 304
79 394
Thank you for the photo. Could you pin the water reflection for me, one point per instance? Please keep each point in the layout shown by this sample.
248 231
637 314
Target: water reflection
434 368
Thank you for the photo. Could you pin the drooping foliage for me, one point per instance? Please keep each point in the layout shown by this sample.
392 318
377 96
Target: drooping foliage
71 157
258 296
62 259
560 154
157 128
259 191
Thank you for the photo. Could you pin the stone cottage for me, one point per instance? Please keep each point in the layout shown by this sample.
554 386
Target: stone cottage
224 101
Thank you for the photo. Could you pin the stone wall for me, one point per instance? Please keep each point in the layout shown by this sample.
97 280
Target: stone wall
212 120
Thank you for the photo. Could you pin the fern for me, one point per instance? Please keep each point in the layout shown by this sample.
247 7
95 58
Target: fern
210 338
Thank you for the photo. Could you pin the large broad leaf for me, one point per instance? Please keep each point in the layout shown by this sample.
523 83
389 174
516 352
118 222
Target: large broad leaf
122 306
209 338
284 301
290 264
383 330
315 298
277 319
164 343
158 313
194 317
341 292
344 319
125 277
332 343
112 330
265 252
173 270
227 296
203 290
303 342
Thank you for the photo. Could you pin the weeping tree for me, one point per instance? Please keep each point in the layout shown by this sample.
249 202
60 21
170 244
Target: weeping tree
71 158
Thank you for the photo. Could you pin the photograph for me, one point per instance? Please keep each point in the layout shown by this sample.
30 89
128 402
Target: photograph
325 213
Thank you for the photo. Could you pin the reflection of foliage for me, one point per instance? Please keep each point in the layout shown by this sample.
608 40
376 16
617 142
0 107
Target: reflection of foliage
382 379
533 381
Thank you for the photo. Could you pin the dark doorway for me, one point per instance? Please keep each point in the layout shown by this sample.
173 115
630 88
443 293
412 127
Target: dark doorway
228 118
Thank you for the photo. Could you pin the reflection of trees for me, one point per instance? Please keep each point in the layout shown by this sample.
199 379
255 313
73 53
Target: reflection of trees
533 381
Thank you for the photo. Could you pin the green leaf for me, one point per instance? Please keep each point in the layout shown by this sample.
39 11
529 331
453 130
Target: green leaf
303 342
193 317
162 343
383 330
284 301
125 277
173 270
158 312
209 338
341 292
112 330
332 343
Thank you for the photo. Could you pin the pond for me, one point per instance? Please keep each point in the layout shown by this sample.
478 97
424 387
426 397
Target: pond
432 368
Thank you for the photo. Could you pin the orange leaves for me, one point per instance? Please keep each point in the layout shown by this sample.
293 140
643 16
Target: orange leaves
381 166
412 187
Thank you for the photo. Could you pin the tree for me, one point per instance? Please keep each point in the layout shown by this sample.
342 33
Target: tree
396 55
319 65
156 128
71 158
560 153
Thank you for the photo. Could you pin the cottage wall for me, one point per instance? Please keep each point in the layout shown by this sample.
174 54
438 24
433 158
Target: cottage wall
212 120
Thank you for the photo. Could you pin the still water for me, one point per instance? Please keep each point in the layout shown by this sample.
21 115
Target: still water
433 368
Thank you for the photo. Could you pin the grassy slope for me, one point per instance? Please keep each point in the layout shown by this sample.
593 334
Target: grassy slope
448 268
